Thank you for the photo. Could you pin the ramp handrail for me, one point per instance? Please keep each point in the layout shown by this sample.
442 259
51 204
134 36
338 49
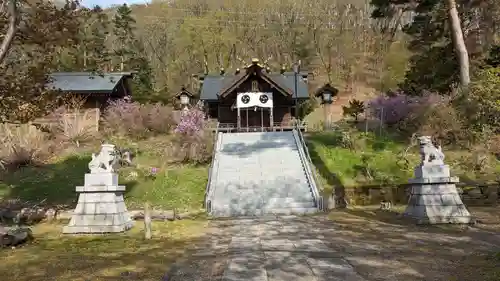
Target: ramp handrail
310 169
207 203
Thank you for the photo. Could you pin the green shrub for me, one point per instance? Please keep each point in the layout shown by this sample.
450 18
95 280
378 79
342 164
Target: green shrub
481 103
355 108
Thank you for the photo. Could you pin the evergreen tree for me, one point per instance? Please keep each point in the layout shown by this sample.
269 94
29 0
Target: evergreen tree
129 54
90 52
434 65
96 52
123 29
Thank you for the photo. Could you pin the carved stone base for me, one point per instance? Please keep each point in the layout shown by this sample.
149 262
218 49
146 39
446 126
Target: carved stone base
432 171
437 201
100 208
99 179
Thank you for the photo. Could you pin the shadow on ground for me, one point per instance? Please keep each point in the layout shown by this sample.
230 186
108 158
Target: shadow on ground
338 188
356 244
392 248
264 142
127 256
54 184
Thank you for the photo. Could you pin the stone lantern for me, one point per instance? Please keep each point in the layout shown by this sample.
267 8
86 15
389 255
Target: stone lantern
185 98
327 93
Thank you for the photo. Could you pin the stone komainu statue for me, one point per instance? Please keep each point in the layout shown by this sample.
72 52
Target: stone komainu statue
104 161
431 155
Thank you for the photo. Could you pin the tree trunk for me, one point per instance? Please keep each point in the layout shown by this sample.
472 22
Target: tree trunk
459 43
11 31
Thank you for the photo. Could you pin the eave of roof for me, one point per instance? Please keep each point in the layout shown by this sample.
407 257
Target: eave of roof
213 85
184 91
87 82
326 87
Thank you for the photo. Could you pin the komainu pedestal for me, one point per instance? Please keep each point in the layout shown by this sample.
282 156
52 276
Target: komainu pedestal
100 208
434 198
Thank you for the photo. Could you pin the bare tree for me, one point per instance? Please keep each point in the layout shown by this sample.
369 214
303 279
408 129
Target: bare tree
11 31
458 42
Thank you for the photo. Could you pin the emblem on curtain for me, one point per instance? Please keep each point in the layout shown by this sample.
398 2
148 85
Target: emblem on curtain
254 99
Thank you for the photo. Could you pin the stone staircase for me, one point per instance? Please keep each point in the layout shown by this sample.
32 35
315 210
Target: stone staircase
260 173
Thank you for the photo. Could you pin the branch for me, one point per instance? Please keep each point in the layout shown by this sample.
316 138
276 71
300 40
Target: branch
9 37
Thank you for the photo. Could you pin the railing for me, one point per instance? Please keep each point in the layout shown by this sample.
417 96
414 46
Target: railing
310 170
276 127
207 201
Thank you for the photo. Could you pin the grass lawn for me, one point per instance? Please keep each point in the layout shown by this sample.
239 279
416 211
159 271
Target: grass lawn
178 187
53 256
356 158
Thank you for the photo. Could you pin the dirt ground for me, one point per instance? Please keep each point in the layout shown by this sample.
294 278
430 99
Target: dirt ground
377 245
384 246
374 245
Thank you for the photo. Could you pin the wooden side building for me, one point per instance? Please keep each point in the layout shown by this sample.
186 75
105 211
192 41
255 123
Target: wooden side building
96 90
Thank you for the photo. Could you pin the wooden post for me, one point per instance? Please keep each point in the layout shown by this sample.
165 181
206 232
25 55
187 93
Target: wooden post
247 119
262 119
238 121
325 118
271 118
147 222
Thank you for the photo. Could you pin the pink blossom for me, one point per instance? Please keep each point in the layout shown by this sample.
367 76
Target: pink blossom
192 122
396 107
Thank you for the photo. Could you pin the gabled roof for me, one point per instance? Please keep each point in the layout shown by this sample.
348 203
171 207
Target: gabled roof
215 85
185 92
327 87
86 82
255 69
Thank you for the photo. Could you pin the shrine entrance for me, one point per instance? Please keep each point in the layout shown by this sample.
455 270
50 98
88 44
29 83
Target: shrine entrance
256 117
253 98
255 111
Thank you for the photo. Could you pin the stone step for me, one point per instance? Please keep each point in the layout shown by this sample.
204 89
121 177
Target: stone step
302 194
268 161
290 200
262 212
271 203
257 182
260 173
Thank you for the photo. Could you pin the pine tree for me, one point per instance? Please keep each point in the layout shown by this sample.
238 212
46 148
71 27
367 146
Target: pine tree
129 54
97 54
89 53
123 29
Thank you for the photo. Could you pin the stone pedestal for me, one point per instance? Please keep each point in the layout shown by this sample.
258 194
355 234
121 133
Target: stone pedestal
434 198
100 208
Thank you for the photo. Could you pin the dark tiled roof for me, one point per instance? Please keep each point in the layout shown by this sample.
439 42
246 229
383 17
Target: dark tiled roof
289 81
213 84
184 91
86 82
327 87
